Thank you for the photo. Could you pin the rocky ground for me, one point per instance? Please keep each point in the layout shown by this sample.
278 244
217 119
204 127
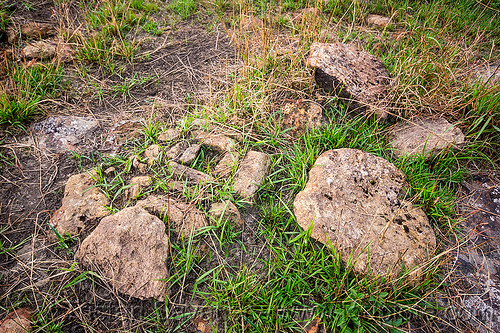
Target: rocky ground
178 192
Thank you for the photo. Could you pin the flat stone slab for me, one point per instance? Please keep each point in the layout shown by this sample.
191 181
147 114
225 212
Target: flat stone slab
63 133
425 136
82 203
475 260
351 74
352 200
130 248
184 217
251 173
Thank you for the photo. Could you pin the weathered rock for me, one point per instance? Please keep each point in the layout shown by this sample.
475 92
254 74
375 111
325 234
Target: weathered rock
17 321
217 141
137 164
351 200
202 325
301 116
169 135
307 15
81 204
63 133
184 217
353 75
488 73
120 133
130 248
189 174
46 49
152 153
136 185
175 152
251 173
378 21
190 154
425 136
226 211
38 30
227 164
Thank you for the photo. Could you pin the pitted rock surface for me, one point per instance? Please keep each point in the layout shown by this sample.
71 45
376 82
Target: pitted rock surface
352 200
63 133
353 75
131 249
302 115
251 173
81 204
183 216
425 136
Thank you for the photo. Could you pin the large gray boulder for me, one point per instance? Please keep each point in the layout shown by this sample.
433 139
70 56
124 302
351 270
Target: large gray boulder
353 75
352 199
130 249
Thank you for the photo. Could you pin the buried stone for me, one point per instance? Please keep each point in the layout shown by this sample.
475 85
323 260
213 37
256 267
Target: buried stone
352 200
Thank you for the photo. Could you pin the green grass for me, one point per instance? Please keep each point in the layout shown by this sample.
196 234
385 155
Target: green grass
30 88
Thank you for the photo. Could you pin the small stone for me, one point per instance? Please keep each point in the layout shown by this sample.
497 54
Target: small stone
190 154
38 30
227 164
17 321
488 74
251 23
226 210
301 116
189 174
152 153
425 136
308 14
377 21
175 152
46 49
169 135
137 164
109 171
62 133
130 248
184 217
351 201
353 75
137 184
83 202
251 173
217 141
202 325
